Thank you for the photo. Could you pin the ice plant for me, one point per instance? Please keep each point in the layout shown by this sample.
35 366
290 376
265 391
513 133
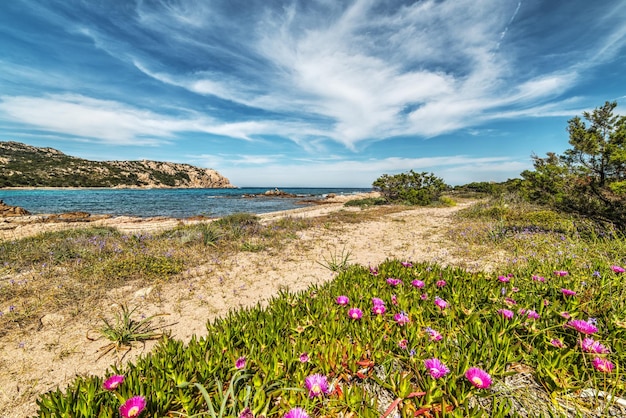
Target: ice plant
561 273
246 413
417 283
618 269
403 344
557 343
304 357
441 283
378 309
589 345
434 335
401 318
539 278
342 300
394 299
532 314
296 413
133 407
582 326
355 313
316 384
240 363
478 377
436 368
394 282
507 314
602 365
377 301
113 382
442 304
407 264
504 279
568 292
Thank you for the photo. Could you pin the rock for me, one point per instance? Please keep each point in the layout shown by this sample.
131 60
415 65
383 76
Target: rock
7 210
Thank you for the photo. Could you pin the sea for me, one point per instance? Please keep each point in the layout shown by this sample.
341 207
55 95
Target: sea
172 203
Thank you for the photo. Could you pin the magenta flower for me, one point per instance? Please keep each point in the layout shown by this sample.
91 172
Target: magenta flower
617 269
424 296
436 368
406 264
378 309
441 283
565 315
557 343
240 363
374 271
589 345
377 301
342 300
355 313
442 304
403 344
133 407
510 301
316 384
568 292
394 299
478 377
539 278
507 314
582 326
296 413
602 365
304 357
394 282
532 314
504 279
417 283
401 318
434 335
113 382
561 273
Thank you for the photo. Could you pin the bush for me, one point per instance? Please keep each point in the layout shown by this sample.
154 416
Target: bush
410 188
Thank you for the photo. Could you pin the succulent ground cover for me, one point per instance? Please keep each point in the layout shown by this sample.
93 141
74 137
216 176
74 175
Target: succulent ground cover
540 334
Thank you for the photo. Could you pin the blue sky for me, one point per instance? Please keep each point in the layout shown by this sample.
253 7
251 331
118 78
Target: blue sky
309 92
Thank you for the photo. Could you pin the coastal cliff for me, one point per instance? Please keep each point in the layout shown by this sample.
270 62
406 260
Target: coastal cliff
23 165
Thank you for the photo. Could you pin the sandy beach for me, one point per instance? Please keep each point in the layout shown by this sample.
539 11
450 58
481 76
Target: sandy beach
34 361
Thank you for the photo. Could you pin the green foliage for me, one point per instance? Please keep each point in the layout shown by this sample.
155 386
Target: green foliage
410 188
337 261
367 202
588 178
125 330
375 358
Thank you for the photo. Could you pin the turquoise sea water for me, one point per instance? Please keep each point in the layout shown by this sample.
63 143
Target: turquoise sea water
176 203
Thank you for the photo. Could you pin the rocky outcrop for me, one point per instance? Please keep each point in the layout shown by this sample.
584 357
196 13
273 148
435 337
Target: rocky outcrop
8 211
23 165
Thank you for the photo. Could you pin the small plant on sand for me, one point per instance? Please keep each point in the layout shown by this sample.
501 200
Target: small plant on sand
336 261
125 330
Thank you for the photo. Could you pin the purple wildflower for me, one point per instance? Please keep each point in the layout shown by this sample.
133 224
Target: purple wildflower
582 326
557 343
417 283
342 300
507 314
504 279
568 292
355 313
317 385
377 301
478 377
394 282
561 273
589 345
441 283
602 365
401 318
618 269
240 363
442 304
304 357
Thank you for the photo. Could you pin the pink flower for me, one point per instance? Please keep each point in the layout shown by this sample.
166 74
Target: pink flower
582 326
441 283
296 413
133 407
246 413
342 300
394 282
557 343
507 314
434 335
403 344
304 357
378 309
424 296
377 301
589 345
394 299
113 382
504 279
539 278
568 292
355 313
317 385
374 271
401 318
478 377
617 269
602 365
406 264
240 363
561 273
436 368
532 315
442 304
510 301
565 315
417 283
